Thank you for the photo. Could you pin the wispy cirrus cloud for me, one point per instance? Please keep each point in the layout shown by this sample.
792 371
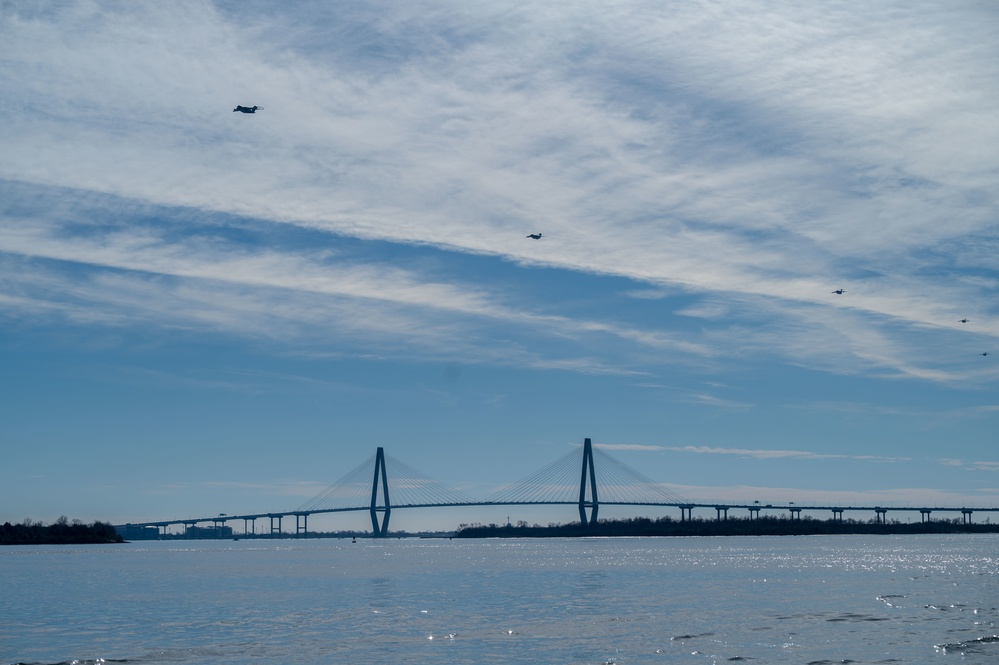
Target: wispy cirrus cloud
978 465
754 453
776 454
132 276
749 160
705 175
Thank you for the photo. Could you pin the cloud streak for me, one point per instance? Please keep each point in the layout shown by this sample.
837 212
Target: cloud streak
752 453
748 160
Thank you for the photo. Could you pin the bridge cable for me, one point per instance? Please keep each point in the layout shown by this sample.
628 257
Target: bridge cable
557 482
353 490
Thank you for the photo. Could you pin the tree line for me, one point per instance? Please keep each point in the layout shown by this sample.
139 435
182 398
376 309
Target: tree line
60 532
766 525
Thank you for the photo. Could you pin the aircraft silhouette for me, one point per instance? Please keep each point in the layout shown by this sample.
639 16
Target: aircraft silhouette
535 236
247 109
986 353
963 320
839 292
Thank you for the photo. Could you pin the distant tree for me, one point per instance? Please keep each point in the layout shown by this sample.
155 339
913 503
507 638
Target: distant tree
59 533
761 526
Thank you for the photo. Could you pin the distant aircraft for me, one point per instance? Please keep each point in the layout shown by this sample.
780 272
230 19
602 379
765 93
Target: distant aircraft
986 353
839 292
535 236
247 109
963 320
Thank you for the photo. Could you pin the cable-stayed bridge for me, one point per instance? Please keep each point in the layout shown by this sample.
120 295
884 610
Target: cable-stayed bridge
587 478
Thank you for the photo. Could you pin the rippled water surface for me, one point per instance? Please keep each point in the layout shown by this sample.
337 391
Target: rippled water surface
839 599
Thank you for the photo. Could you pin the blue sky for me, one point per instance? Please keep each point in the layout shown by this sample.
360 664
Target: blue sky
203 311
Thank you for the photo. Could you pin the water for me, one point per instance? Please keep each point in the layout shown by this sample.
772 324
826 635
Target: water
831 599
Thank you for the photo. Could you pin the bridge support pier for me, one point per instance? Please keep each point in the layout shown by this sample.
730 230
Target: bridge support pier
686 512
247 522
924 514
302 529
275 530
754 513
795 513
837 514
881 515
722 513
966 515
593 504
380 530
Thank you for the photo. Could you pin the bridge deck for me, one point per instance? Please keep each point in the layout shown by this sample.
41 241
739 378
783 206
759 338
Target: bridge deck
563 482
222 519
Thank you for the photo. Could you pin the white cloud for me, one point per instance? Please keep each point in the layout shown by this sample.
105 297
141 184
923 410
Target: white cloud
629 446
778 454
977 465
750 159
755 453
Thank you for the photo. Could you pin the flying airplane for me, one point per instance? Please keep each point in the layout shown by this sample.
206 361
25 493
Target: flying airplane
963 320
247 109
985 353
839 292
535 236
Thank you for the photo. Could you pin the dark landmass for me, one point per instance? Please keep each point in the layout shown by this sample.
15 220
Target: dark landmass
62 532
762 526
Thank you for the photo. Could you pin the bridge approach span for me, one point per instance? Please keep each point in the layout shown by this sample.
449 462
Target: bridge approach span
565 481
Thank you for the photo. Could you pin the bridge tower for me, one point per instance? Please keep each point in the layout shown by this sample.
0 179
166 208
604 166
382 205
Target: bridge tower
592 504
380 530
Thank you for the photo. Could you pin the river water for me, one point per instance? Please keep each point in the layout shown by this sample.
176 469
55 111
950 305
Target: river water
823 599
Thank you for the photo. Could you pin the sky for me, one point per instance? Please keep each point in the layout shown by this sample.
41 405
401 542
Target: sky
204 311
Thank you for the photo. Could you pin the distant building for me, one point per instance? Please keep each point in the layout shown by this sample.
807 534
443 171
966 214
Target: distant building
130 532
134 532
208 532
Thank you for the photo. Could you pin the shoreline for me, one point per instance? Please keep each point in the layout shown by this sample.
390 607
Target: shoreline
764 526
